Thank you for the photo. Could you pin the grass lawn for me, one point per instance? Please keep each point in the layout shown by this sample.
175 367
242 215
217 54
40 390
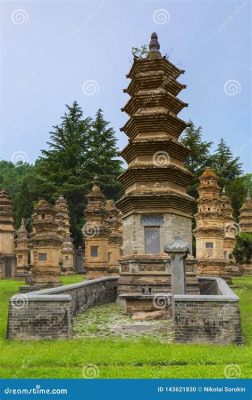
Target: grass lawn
116 358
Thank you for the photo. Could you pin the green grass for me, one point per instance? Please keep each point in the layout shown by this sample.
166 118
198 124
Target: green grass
121 359
67 280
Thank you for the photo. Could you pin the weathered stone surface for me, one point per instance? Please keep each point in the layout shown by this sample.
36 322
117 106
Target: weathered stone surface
67 248
245 219
22 251
102 235
210 231
46 246
145 316
7 252
110 321
49 313
209 318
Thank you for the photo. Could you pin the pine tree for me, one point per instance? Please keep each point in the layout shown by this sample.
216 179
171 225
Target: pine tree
102 156
225 164
199 157
79 149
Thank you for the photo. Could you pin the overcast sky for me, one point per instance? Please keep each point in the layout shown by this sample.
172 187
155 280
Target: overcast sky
51 50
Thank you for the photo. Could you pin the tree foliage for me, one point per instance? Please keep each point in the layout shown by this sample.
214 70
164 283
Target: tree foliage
79 148
243 249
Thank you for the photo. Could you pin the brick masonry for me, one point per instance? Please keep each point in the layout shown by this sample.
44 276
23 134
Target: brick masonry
48 314
208 318
211 317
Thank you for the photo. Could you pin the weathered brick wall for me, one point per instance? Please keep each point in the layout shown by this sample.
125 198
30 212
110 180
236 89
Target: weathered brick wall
38 319
49 313
133 232
208 318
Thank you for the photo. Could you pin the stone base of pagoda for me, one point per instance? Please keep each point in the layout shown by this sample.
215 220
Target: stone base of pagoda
150 275
101 271
214 267
245 269
8 266
233 269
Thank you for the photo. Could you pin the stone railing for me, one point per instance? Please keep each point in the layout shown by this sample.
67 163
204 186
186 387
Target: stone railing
211 317
48 313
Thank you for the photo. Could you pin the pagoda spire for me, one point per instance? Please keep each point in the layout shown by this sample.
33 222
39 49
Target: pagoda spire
154 46
248 195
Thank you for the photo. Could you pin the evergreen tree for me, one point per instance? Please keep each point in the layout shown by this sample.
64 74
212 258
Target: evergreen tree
225 164
102 156
199 157
78 150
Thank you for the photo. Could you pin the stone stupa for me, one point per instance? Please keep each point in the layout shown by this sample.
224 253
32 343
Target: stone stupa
155 208
7 230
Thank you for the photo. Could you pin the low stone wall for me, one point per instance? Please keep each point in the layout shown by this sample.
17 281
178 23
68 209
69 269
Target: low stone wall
208 318
48 313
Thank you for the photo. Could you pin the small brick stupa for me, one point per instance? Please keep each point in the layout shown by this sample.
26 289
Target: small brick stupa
96 234
22 251
114 223
7 244
230 226
245 223
209 232
67 250
47 244
156 207
245 219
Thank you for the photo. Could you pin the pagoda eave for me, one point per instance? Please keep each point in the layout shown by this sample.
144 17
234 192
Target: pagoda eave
150 123
168 173
170 202
143 64
150 82
162 99
143 148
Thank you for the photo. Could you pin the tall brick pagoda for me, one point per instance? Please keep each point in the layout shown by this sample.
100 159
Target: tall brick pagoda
96 233
47 243
7 244
245 223
245 218
67 249
156 207
230 227
22 251
209 232
114 223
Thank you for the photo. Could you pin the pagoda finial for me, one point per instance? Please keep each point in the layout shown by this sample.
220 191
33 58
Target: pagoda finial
248 195
154 46
224 190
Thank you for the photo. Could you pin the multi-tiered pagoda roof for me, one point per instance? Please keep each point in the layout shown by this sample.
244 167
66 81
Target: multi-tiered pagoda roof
156 176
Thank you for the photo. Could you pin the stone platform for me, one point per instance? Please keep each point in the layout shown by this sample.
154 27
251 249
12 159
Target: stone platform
210 317
149 275
110 321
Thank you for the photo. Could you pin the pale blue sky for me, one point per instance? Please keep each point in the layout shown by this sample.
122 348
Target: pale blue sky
51 48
